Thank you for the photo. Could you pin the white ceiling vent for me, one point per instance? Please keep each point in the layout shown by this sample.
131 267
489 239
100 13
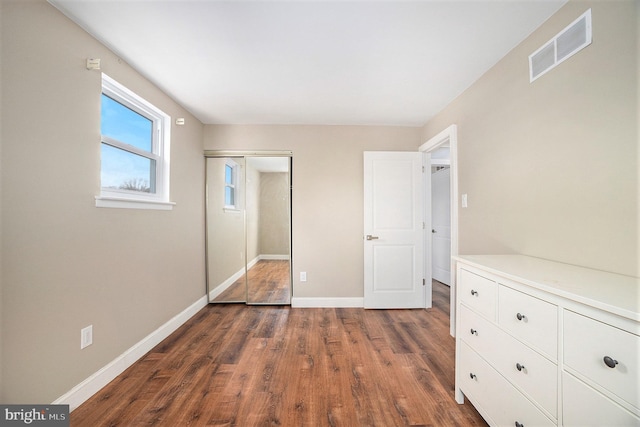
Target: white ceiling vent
565 44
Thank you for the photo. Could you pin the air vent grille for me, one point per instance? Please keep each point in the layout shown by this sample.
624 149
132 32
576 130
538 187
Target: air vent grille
565 44
543 60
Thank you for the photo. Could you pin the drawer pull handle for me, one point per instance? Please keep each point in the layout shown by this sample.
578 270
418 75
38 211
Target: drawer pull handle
474 332
610 362
520 316
519 367
472 376
519 424
473 292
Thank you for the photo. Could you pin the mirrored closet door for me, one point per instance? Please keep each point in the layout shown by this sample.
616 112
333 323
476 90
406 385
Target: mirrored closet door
248 227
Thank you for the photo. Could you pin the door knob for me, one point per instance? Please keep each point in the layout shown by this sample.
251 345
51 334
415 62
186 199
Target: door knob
370 237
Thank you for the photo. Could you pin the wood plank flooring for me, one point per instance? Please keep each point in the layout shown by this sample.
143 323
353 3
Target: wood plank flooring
237 365
269 282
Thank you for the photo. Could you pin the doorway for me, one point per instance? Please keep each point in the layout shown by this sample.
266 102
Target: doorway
440 216
435 151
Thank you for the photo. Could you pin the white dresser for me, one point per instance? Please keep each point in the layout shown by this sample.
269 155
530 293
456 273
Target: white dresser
541 343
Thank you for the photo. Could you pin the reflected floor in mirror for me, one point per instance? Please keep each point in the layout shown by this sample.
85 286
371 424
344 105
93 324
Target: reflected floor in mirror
268 283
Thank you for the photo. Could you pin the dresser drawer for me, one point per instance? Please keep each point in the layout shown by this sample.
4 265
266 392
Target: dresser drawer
586 344
528 370
494 396
584 407
478 292
530 319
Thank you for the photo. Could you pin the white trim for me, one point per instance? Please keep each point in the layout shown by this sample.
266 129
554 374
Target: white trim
160 151
231 210
213 294
87 388
440 139
450 136
277 257
238 274
302 302
253 262
115 202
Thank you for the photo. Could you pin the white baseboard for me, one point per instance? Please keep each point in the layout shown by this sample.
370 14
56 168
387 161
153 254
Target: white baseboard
224 285
298 302
238 274
253 262
87 388
271 256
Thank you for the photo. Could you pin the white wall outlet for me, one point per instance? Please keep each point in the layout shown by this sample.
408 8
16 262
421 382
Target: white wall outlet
86 337
303 276
464 201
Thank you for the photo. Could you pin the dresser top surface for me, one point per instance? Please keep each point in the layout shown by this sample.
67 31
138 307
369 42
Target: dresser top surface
611 292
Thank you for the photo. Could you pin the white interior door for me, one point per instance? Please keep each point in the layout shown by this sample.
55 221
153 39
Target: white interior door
393 243
441 226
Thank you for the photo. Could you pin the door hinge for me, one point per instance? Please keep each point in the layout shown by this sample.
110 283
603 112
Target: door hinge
423 169
424 282
424 225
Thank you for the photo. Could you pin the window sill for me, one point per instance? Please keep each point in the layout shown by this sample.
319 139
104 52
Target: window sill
122 203
231 210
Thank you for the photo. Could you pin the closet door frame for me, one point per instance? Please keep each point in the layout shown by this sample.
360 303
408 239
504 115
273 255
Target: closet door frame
246 154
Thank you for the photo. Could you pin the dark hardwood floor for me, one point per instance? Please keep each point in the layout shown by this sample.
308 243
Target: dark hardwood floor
237 365
268 282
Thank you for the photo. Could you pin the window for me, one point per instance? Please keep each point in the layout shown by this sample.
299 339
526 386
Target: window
231 185
134 150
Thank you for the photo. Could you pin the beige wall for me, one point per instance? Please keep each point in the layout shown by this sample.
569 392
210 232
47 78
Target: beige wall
253 184
327 196
274 214
66 263
551 167
225 229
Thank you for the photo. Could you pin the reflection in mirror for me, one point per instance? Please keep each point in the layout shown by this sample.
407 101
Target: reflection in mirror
268 230
249 229
226 266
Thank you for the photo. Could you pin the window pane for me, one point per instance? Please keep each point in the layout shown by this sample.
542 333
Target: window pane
125 125
122 170
228 174
229 196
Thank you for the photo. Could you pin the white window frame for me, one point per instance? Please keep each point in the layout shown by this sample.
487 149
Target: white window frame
235 186
161 149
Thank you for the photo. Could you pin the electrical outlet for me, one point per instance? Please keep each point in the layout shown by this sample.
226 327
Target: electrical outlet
303 276
86 337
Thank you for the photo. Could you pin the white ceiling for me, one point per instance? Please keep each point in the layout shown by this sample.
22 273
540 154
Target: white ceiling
311 62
